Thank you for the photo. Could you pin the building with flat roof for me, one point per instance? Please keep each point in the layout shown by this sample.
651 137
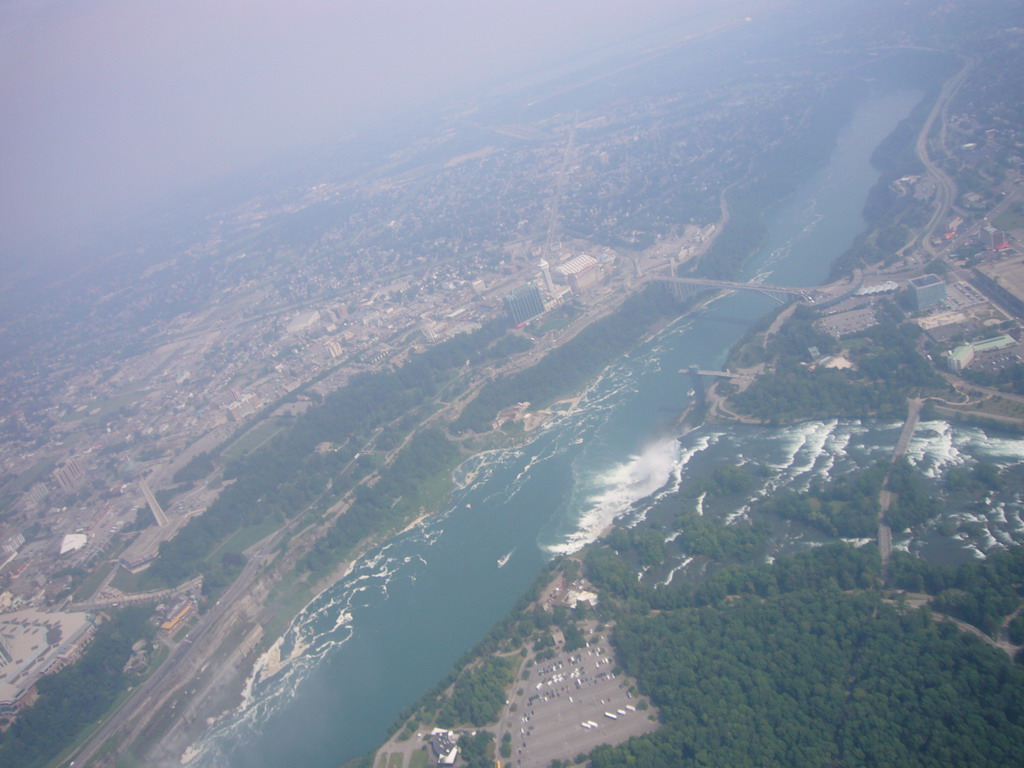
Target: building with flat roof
960 358
927 291
144 550
176 617
33 643
1004 282
580 272
523 303
545 271
993 344
68 475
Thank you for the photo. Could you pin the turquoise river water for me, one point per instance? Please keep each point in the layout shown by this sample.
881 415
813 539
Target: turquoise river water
370 645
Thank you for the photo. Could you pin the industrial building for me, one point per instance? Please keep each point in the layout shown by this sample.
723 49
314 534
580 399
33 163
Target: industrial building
177 616
444 746
523 303
927 291
1004 282
32 644
303 321
580 272
960 358
244 407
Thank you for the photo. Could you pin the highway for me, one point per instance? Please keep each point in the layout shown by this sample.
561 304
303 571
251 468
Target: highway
183 662
945 187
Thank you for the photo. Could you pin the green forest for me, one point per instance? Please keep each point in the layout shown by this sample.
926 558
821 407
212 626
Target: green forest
814 659
288 476
887 370
816 677
570 366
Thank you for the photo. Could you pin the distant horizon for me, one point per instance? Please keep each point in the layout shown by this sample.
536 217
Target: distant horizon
93 153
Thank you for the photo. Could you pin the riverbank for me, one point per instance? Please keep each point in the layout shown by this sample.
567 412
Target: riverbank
593 459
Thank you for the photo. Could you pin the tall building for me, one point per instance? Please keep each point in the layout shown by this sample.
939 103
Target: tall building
995 239
523 303
927 291
68 475
545 270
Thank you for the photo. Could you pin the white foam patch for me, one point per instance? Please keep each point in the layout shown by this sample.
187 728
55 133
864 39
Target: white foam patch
836 447
803 444
933 448
618 488
1020 521
320 628
700 503
857 543
1003 451
739 514
671 574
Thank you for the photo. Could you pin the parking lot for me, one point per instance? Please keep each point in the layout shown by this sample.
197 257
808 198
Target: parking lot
571 704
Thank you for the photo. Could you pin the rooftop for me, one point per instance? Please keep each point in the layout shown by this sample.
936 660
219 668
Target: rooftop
925 281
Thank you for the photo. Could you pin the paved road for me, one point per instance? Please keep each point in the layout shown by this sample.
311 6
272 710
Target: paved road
945 187
885 497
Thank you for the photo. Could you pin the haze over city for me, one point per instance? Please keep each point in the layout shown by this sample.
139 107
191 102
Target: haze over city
511 386
111 108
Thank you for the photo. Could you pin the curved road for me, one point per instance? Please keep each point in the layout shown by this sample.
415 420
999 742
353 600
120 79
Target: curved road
945 187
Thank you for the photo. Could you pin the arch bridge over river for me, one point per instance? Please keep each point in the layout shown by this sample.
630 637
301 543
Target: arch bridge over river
818 296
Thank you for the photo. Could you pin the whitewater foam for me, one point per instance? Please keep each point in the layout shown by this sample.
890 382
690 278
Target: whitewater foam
617 489
671 574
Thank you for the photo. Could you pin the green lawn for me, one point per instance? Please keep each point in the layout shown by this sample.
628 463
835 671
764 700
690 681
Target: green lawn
1011 218
244 538
252 439
93 581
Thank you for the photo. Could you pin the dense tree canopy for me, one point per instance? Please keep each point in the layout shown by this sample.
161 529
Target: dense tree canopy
816 677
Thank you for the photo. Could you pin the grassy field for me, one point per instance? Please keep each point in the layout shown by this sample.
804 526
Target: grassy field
244 538
1012 217
99 410
91 584
252 439
127 582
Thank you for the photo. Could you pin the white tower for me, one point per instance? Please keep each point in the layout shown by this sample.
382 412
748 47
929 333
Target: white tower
545 269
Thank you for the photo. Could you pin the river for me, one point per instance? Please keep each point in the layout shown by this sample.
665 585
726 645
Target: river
369 646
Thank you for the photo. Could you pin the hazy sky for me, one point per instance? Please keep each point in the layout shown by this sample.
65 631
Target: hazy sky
109 103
